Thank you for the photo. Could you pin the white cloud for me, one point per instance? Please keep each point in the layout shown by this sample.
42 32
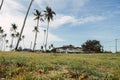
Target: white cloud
63 19
91 19
11 13
61 4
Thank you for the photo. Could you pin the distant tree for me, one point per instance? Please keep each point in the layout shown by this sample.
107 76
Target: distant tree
49 13
13 28
41 48
23 25
92 46
1 37
44 39
38 17
51 47
17 34
14 34
1 31
4 40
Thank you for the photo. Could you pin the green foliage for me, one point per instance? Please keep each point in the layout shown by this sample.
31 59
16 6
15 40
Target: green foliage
92 46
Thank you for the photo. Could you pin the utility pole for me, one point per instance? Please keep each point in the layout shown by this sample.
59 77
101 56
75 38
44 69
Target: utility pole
116 45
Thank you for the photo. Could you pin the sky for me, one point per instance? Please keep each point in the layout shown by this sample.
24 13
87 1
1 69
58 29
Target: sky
75 22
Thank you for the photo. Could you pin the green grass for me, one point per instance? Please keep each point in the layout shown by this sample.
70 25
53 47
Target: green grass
42 66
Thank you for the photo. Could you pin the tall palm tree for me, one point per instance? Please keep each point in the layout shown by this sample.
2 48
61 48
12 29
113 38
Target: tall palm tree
1 4
23 25
6 42
36 31
23 37
1 32
17 34
44 39
4 37
14 28
13 36
49 16
38 16
1 37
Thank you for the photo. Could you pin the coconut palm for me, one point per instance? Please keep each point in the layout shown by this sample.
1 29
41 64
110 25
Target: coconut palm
17 34
23 25
23 40
4 37
1 4
36 31
1 37
38 17
44 39
6 42
13 36
1 31
49 16
13 28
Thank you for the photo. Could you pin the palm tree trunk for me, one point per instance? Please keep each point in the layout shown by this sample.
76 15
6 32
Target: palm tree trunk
1 4
47 37
44 39
4 43
35 41
11 46
23 25
36 35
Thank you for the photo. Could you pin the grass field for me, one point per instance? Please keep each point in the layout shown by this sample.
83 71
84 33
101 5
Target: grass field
42 66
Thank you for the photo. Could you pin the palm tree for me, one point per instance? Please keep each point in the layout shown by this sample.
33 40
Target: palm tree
38 16
1 31
14 28
23 25
4 37
6 42
13 36
1 37
23 40
36 31
17 34
1 4
44 39
49 16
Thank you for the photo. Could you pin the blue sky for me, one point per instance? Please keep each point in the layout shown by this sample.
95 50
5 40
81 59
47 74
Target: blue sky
75 22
